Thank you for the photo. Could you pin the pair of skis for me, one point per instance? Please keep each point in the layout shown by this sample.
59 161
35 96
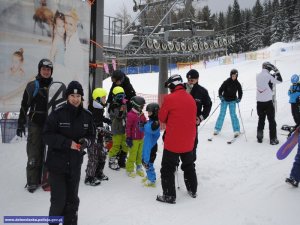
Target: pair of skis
231 141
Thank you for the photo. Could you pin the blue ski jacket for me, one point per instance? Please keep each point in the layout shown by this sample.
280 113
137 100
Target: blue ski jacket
150 139
294 93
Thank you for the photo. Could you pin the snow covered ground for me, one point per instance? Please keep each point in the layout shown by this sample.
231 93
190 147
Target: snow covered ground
239 184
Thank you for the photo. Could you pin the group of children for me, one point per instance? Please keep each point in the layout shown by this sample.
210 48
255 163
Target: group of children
133 137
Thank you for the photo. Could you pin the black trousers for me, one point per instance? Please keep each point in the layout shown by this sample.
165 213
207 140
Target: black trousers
295 107
266 109
168 167
195 145
64 196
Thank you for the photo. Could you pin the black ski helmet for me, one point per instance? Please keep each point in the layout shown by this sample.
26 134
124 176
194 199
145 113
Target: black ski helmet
234 71
173 81
138 103
118 75
45 63
153 107
268 66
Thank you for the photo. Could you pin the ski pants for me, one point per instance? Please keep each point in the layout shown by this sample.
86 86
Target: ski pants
266 109
234 120
64 196
35 154
168 167
295 107
195 145
135 155
119 142
151 175
295 172
96 160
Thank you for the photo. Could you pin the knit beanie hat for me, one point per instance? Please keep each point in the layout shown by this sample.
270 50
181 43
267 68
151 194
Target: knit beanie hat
74 87
192 74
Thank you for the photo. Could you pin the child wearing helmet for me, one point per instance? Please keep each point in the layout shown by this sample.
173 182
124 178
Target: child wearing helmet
134 136
96 153
152 133
117 112
294 94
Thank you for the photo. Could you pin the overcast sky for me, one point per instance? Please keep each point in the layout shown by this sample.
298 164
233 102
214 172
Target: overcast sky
111 7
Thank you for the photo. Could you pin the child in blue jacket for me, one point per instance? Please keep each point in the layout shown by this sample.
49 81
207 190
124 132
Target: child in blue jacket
152 133
294 94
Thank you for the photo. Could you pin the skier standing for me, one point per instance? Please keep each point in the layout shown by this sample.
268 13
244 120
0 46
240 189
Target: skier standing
152 133
69 129
96 153
134 136
178 112
264 95
202 99
227 95
117 112
120 79
35 99
294 94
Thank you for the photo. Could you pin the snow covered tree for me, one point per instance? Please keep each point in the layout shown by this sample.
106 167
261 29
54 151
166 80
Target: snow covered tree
257 27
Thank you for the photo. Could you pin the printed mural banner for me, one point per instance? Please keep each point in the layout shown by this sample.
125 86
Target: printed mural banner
34 29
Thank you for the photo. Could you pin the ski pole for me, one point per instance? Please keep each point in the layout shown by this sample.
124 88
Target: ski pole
242 121
210 116
178 187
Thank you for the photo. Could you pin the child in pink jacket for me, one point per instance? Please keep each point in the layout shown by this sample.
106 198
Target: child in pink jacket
134 136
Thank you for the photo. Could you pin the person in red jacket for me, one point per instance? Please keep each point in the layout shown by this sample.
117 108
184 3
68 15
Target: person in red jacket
178 112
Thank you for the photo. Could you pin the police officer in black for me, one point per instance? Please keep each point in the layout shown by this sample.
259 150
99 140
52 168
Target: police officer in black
202 99
35 100
69 129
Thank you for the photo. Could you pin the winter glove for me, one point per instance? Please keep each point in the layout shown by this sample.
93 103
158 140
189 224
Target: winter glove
21 130
221 98
238 100
146 165
84 143
107 121
129 142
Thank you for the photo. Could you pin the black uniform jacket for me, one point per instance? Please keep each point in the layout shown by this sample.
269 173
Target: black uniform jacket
203 101
64 125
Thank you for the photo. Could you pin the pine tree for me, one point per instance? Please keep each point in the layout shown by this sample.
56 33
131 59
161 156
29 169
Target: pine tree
276 27
257 26
236 27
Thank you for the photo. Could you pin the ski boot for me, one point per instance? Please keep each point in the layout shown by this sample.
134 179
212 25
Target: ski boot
192 194
139 171
148 183
236 134
260 136
102 176
113 163
92 181
274 141
166 199
216 132
292 181
122 159
131 174
31 188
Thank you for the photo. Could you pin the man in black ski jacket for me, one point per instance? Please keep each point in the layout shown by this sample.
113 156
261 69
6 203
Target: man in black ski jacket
35 99
202 99
69 129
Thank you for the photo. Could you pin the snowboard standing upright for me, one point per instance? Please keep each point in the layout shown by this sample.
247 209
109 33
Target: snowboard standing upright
56 97
289 145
